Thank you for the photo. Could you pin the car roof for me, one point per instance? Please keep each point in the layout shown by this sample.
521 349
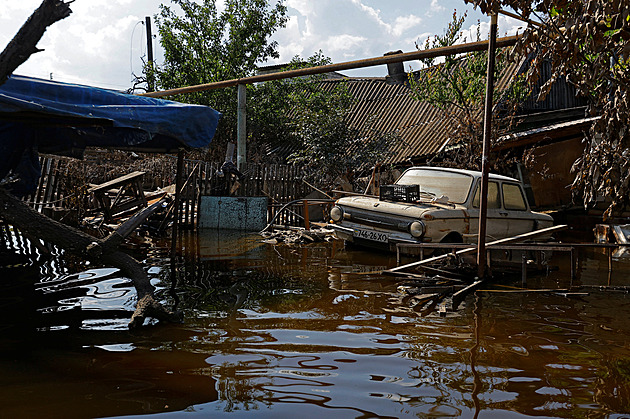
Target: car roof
473 173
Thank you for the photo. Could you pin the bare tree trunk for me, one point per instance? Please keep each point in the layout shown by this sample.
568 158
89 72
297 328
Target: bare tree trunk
24 43
104 251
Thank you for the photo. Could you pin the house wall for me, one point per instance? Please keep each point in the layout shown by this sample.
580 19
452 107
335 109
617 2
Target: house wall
550 176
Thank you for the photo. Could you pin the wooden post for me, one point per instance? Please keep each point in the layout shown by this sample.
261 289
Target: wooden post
307 223
573 267
487 133
241 127
524 270
176 215
610 259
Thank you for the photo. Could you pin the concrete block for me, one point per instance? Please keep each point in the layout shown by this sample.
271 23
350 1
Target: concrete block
233 213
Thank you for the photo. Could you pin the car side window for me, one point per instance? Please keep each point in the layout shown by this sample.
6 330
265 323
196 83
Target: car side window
494 200
513 197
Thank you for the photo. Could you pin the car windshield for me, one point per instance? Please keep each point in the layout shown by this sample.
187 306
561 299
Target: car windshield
435 183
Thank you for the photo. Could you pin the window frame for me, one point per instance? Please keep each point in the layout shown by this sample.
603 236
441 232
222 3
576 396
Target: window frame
522 194
478 192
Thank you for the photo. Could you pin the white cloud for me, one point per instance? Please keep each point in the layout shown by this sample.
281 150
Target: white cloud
344 43
507 26
371 12
435 8
304 7
405 23
510 26
94 44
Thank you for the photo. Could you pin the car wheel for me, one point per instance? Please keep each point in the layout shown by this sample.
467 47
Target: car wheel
451 237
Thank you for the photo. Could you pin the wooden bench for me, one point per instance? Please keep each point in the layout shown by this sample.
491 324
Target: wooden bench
127 192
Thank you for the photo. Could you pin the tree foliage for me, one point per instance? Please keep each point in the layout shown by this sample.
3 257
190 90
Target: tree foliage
297 115
588 43
274 105
457 87
202 45
332 148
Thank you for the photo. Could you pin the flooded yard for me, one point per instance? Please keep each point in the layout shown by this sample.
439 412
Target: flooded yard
309 331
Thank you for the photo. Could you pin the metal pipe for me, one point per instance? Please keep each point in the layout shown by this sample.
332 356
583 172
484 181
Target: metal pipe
487 133
241 127
349 65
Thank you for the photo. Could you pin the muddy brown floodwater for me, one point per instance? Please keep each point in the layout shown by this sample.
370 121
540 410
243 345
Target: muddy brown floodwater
307 332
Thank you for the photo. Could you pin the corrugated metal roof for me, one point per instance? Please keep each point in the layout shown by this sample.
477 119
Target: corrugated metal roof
423 128
563 95
420 125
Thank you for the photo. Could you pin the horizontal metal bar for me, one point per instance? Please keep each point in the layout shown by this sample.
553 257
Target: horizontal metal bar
494 247
349 65
508 240
529 246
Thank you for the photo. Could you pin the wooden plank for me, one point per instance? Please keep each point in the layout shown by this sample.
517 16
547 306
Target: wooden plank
526 236
186 194
56 193
198 177
49 182
528 290
422 299
115 182
132 223
443 272
459 296
620 234
42 184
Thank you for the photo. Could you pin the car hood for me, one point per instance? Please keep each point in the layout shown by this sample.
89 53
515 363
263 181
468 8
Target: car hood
403 209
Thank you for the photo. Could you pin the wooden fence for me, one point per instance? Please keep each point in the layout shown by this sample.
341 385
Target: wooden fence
281 184
53 189
63 184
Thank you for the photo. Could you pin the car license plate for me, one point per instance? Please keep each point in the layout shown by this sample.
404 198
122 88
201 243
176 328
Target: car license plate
371 235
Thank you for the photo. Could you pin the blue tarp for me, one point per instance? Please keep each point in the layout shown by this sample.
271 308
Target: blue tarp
55 117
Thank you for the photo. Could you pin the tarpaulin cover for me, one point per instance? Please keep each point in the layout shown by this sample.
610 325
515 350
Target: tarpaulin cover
56 117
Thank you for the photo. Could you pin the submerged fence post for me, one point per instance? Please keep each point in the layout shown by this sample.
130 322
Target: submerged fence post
487 133
178 185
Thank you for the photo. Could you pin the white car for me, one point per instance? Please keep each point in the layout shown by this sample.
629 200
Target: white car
435 205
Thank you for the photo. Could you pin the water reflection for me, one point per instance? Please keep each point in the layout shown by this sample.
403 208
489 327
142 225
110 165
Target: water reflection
314 331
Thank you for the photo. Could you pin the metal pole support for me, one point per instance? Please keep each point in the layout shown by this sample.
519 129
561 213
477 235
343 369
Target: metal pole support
487 133
241 127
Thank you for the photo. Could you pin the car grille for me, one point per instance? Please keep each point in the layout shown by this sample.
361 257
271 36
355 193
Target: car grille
375 219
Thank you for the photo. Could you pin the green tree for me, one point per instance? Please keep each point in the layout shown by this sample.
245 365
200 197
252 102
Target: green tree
202 45
456 86
311 116
273 106
331 147
588 43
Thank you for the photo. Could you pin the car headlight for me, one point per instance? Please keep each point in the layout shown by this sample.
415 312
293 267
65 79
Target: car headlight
336 213
417 229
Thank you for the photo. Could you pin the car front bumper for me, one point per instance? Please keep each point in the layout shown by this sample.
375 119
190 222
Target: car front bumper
370 236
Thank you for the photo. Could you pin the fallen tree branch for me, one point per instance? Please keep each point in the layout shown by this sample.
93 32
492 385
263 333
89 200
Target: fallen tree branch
17 213
24 43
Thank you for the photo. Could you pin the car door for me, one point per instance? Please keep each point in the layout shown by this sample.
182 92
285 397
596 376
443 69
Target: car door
520 219
497 217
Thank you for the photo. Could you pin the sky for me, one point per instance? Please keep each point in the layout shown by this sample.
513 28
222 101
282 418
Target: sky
101 43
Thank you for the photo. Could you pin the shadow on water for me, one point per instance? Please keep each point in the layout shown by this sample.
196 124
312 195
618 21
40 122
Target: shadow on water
306 330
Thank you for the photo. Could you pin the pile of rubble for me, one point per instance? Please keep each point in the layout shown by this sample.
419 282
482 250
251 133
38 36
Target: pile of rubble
297 236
